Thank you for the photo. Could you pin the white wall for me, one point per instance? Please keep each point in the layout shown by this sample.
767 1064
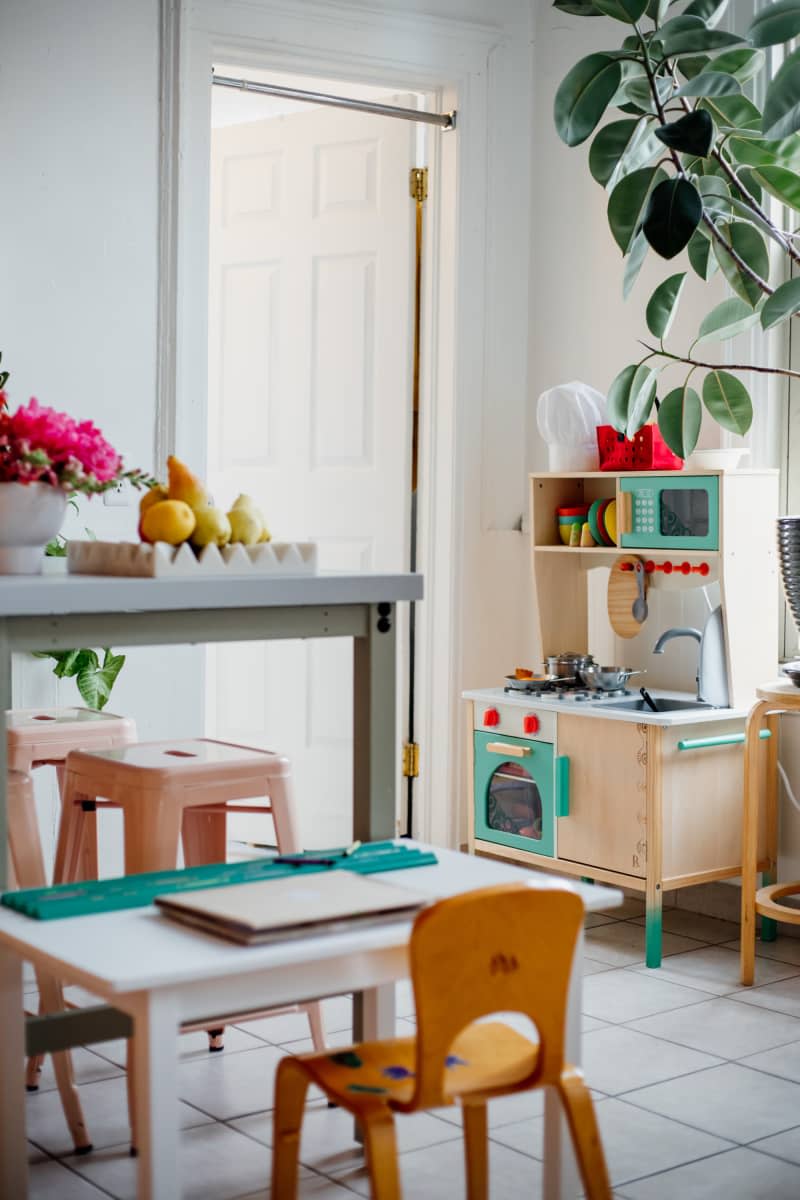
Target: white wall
78 221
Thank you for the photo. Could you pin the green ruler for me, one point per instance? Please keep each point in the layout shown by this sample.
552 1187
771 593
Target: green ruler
136 891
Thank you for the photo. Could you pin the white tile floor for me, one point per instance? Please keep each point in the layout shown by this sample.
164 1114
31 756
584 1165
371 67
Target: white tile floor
697 1086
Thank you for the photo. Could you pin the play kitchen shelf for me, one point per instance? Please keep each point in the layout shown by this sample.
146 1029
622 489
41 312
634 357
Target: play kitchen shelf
602 788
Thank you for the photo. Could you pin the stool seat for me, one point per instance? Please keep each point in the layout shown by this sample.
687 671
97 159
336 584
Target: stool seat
181 762
37 736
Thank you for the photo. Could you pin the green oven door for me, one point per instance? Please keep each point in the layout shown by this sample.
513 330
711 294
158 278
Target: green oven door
514 792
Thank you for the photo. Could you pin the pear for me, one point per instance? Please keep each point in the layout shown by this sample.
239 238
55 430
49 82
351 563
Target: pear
244 503
212 528
245 526
185 486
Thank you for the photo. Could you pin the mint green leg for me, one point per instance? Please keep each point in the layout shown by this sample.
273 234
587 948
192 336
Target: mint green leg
652 933
769 927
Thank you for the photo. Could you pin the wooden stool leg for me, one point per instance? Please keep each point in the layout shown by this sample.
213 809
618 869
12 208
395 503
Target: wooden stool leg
152 830
291 1086
204 839
69 850
284 816
52 1000
476 1150
380 1145
769 928
314 1014
752 772
577 1102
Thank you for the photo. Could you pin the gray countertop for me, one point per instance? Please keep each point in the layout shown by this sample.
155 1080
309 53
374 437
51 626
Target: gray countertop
602 711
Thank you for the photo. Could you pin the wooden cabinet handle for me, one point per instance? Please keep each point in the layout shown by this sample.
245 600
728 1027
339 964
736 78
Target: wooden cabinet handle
624 514
510 751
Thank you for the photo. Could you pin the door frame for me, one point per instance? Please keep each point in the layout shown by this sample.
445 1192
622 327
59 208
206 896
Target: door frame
471 284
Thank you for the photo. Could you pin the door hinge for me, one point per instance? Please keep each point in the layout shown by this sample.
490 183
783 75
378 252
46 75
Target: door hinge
410 760
418 183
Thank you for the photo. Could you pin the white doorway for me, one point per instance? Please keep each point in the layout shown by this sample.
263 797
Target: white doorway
309 394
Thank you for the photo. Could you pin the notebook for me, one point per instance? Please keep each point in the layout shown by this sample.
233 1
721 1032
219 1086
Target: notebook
275 910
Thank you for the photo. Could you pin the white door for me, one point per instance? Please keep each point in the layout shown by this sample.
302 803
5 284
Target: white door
309 398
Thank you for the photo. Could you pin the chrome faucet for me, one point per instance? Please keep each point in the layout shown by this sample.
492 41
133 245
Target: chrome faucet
712 674
676 633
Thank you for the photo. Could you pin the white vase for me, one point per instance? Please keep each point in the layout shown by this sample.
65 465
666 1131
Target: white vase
30 516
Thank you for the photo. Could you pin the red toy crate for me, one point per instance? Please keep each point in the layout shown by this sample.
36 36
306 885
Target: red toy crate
646 451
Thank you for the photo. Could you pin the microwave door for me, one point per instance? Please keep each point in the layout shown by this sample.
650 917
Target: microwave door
684 513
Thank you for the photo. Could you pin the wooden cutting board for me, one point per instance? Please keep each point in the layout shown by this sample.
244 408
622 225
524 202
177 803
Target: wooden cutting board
622 591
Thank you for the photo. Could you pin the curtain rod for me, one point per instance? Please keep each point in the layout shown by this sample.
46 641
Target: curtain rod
443 120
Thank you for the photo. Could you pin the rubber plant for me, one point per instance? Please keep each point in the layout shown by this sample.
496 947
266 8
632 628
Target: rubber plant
693 164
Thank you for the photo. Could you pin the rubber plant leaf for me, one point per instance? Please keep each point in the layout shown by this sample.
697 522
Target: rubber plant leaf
727 319
628 11
663 305
751 248
735 113
679 418
673 213
633 263
728 401
657 10
609 145
710 83
775 24
584 95
782 152
780 182
691 134
782 101
631 396
577 8
703 261
784 302
710 11
744 63
694 41
628 203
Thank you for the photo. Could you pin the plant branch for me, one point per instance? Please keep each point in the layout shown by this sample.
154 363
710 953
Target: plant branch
693 363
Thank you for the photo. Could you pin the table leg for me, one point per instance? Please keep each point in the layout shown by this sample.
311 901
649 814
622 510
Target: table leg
752 780
560 1172
375 727
155 1056
13 1148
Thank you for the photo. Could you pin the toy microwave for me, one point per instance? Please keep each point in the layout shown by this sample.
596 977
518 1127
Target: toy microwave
669 512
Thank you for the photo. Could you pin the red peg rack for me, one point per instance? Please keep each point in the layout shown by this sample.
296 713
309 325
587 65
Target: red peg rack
668 568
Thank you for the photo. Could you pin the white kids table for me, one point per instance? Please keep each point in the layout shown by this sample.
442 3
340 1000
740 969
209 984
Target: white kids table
163 974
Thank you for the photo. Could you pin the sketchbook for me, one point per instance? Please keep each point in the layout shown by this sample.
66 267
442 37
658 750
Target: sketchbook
276 910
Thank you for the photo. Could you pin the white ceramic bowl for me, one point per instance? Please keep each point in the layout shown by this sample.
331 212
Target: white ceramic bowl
724 459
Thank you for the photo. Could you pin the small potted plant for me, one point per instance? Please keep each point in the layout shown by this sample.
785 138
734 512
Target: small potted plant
46 456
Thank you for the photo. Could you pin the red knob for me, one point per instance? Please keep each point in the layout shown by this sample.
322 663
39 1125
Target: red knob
491 717
530 723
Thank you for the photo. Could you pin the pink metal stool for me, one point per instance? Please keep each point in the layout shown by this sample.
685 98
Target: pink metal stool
27 869
40 737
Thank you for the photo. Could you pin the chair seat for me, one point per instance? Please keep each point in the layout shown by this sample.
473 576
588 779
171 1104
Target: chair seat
183 762
484 1057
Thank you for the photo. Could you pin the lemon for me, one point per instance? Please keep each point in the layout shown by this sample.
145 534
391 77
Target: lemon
245 526
169 521
153 495
212 528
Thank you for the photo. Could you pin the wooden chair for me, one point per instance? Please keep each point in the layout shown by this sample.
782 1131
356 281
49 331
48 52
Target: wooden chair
27 870
506 948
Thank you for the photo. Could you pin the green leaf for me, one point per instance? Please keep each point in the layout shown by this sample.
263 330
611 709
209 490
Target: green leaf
633 263
628 202
691 65
733 112
710 11
583 96
727 399
710 83
691 134
3 379
743 63
727 319
751 248
577 8
784 302
609 145
781 183
673 213
631 396
784 152
782 102
703 261
637 90
95 682
694 41
775 24
657 9
628 11
663 304
679 418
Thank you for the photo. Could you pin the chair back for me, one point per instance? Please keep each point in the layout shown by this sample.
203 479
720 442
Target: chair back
507 948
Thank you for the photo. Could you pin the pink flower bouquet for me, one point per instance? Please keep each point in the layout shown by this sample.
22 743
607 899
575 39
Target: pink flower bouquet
40 445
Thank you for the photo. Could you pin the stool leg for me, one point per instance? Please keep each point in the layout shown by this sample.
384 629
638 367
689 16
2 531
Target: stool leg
204 841
752 780
27 862
314 1014
152 823
52 1000
769 927
284 816
70 832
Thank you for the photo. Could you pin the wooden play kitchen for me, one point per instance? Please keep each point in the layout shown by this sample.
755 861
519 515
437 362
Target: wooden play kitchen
599 784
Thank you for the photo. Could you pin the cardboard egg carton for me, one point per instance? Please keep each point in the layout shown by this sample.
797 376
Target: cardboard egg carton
160 560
